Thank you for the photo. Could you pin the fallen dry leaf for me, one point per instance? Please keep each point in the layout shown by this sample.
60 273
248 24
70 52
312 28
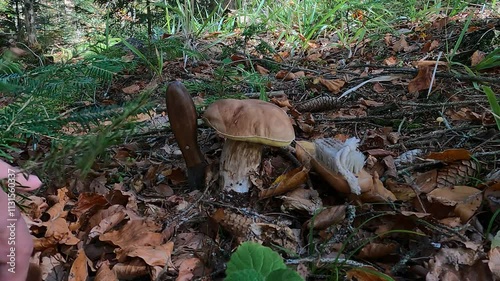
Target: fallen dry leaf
53 266
132 269
391 61
186 269
104 273
79 268
377 250
132 89
450 155
329 216
301 199
451 196
401 44
285 75
377 87
151 255
333 85
313 57
286 182
378 193
477 57
261 70
134 233
364 274
494 261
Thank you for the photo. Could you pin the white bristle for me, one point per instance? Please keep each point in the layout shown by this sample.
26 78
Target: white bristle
341 157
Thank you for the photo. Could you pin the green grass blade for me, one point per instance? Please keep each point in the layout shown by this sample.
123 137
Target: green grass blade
495 107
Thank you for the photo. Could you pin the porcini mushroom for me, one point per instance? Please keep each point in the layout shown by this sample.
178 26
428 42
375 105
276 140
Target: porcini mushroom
247 125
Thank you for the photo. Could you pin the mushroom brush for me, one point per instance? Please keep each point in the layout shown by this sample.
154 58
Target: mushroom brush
343 158
183 121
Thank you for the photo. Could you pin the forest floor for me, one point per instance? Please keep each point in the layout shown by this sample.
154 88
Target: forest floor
426 129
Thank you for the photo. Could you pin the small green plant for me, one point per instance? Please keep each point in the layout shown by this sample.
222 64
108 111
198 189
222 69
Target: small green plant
155 64
495 106
492 60
252 261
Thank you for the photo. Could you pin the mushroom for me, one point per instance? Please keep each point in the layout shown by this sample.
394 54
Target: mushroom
183 121
247 125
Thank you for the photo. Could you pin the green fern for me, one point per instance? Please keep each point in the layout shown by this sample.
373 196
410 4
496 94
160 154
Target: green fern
45 103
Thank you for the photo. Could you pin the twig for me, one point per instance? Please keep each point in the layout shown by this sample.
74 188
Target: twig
440 104
269 94
390 69
326 260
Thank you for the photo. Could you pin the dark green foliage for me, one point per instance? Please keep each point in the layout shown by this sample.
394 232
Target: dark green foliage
48 103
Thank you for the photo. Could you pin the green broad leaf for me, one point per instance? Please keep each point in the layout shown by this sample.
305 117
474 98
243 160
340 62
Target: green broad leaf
251 255
244 275
285 275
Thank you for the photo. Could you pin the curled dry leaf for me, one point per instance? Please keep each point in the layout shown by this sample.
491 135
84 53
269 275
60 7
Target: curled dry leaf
79 268
424 76
422 81
36 206
286 182
106 219
377 250
327 217
57 232
391 170
131 269
430 45
378 193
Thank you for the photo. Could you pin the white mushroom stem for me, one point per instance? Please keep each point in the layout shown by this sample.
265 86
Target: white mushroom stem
238 160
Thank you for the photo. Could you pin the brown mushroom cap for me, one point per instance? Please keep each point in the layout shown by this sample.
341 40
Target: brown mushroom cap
251 121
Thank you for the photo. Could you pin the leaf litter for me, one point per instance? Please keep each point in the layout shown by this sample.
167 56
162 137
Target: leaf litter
427 210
